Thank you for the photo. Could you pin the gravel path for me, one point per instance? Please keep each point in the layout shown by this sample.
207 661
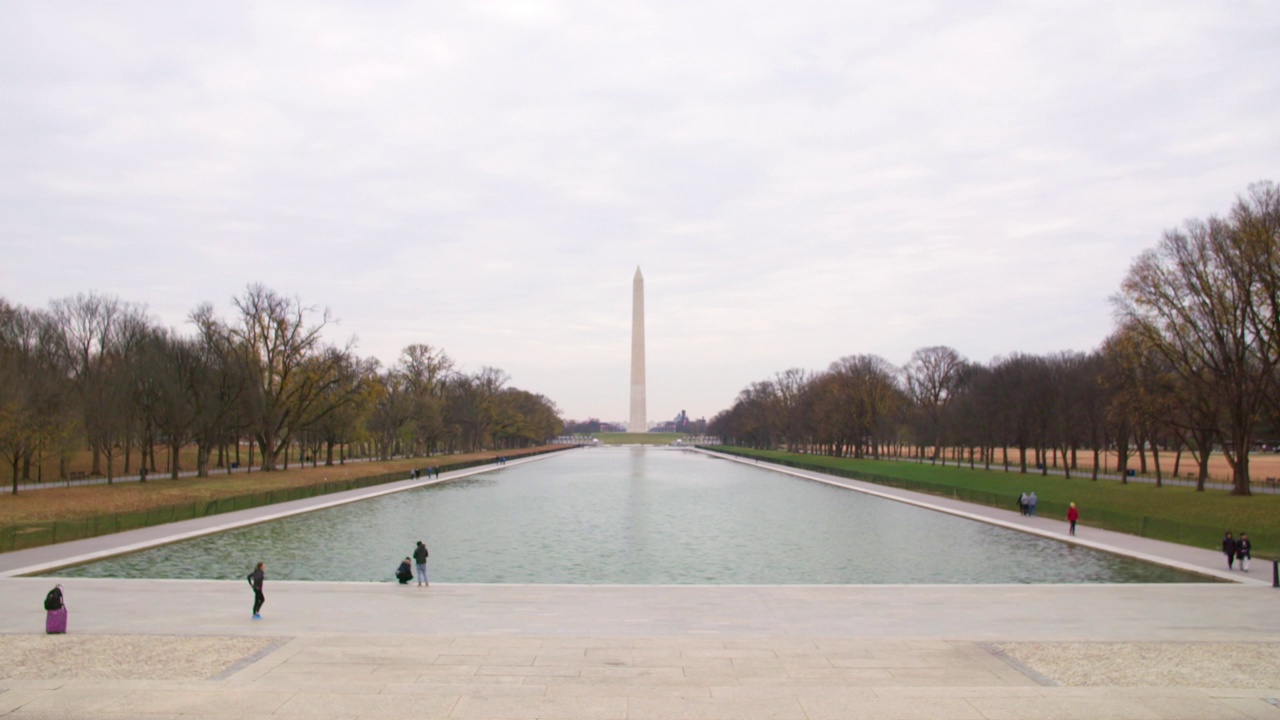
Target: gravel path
1154 664
1083 664
124 657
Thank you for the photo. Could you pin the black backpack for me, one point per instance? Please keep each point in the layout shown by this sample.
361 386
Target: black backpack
53 601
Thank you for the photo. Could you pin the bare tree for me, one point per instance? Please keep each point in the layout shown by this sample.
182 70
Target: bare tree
391 413
932 378
282 343
1193 299
96 341
34 390
788 388
867 388
471 406
426 371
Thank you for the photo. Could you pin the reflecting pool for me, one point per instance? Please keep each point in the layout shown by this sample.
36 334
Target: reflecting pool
635 515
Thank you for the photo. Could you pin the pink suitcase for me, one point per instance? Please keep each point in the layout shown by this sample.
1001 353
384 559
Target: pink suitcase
56 622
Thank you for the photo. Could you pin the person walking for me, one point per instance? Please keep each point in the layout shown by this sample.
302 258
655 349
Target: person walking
1244 551
1022 503
1032 500
420 558
1229 548
256 578
1072 516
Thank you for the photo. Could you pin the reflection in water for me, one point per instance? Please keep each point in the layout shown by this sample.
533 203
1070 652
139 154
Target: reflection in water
635 516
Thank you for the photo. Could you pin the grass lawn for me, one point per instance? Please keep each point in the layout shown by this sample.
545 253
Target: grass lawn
1173 513
637 438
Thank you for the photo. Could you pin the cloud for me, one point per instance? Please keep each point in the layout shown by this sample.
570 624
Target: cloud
798 183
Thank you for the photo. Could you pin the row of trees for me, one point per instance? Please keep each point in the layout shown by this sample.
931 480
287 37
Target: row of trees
94 372
1193 365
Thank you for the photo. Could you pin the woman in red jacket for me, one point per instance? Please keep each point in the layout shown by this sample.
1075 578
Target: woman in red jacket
1072 516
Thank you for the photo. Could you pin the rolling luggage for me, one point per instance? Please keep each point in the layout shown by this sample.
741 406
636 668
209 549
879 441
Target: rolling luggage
55 622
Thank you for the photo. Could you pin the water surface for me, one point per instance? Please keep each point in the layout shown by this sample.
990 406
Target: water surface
635 515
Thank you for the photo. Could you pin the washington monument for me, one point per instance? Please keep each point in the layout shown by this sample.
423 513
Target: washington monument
638 422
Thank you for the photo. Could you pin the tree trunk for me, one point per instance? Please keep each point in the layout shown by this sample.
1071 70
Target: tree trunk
174 464
1238 458
203 451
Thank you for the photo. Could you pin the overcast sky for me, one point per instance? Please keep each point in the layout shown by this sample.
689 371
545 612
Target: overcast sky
798 181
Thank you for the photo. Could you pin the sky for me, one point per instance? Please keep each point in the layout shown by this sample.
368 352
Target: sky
797 181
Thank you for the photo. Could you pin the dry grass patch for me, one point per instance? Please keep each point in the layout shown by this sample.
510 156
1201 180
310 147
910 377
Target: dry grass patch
80 502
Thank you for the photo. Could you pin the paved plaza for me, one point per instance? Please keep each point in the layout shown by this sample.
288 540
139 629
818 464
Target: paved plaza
188 648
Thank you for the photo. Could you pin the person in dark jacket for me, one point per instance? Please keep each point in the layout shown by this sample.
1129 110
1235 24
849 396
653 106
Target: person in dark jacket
1229 549
256 578
420 557
404 573
1244 551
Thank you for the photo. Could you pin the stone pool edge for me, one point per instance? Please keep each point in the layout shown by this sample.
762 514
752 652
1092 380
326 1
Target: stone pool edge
1171 555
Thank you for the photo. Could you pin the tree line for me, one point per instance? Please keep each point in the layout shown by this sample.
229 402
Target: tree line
93 372
1193 365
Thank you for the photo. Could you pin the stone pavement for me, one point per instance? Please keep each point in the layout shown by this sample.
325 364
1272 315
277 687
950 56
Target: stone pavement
380 650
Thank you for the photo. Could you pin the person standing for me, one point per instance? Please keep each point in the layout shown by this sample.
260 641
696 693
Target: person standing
1032 501
1072 516
1229 549
256 578
1022 503
1244 551
420 558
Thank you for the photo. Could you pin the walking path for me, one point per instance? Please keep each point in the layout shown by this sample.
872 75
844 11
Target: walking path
178 648
1267 485
164 475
